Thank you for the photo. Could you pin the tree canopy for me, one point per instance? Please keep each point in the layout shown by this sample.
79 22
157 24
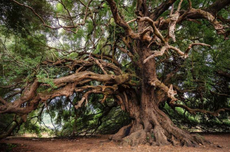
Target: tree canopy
147 57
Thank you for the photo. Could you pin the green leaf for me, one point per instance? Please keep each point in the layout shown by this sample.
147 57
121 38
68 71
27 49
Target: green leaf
59 7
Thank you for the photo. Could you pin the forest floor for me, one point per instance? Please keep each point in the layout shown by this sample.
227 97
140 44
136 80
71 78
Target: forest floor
221 143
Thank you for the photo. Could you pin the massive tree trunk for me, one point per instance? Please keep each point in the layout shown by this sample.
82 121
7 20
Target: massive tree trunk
151 125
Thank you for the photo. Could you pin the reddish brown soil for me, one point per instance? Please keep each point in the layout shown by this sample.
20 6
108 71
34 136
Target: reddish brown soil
98 144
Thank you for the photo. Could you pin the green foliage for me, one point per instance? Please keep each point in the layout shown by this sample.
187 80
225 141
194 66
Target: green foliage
42 78
93 118
6 121
22 20
226 122
59 7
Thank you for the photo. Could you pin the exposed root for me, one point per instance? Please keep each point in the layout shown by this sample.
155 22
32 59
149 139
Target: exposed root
159 135
136 138
156 129
188 142
124 131
186 139
174 141
200 139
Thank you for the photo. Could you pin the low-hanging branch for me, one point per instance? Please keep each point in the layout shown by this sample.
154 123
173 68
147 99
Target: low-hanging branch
194 111
120 20
170 92
67 85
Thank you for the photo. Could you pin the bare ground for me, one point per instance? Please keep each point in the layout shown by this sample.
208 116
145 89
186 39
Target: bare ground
221 143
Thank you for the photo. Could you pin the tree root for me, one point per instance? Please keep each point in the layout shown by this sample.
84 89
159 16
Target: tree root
136 138
124 131
158 137
183 138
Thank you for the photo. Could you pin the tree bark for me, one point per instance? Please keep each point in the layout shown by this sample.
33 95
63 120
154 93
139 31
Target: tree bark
153 126
150 124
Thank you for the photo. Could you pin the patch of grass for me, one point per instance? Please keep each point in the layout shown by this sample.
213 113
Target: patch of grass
226 122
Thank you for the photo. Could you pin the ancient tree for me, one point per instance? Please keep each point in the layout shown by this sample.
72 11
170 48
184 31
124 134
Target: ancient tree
135 52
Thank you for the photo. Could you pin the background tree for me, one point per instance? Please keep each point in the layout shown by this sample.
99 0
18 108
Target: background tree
141 54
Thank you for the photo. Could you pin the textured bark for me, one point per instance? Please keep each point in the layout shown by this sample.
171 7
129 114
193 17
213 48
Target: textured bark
150 124
217 6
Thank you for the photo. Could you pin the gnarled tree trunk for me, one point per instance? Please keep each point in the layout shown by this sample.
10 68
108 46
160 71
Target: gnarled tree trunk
151 125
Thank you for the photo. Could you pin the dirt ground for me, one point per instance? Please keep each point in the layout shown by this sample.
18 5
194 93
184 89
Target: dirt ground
101 143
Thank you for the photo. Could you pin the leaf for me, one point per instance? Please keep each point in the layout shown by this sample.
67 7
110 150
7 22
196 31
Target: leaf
112 22
59 7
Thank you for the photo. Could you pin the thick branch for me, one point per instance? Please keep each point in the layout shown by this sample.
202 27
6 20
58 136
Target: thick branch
172 25
166 47
67 86
3 101
194 111
106 90
194 44
167 90
157 53
161 9
193 14
120 20
152 23
141 9
199 14
217 6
